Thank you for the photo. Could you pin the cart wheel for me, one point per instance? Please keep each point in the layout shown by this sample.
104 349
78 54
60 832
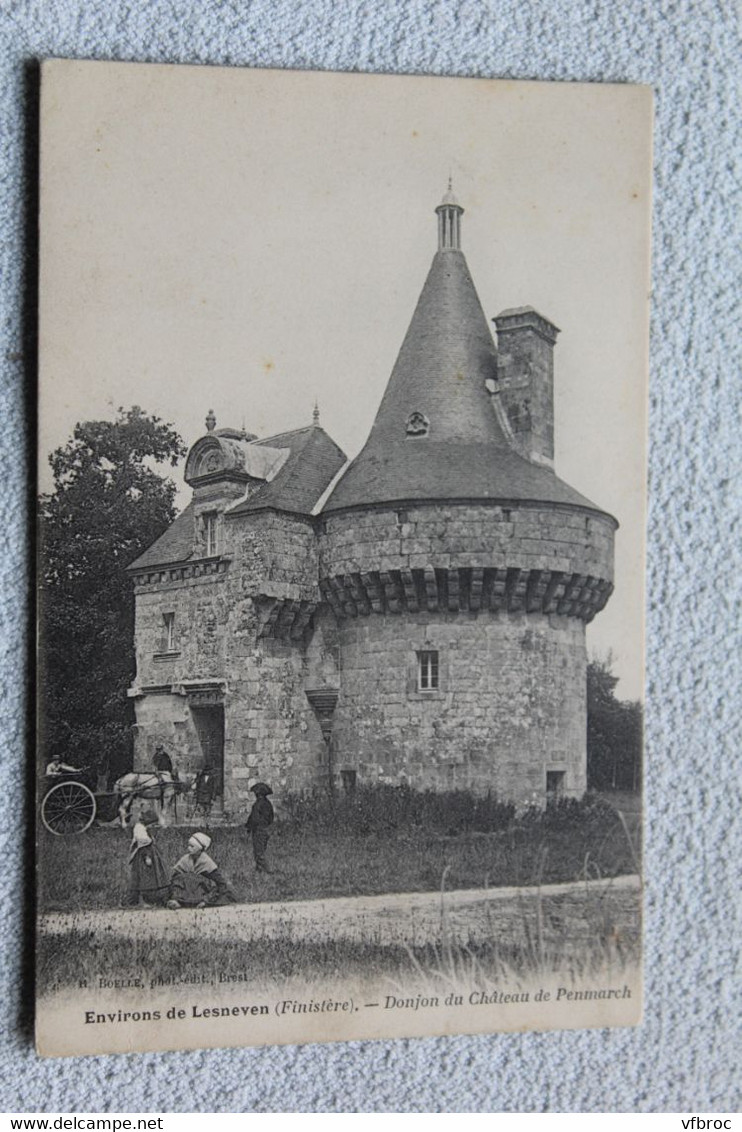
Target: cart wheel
69 807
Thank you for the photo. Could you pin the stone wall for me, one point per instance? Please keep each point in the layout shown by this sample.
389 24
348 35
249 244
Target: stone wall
554 538
242 621
272 733
502 595
510 706
164 718
273 554
202 609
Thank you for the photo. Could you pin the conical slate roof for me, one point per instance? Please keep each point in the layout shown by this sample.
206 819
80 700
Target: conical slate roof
436 435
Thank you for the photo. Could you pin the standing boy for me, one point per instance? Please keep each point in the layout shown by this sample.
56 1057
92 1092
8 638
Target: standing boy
258 823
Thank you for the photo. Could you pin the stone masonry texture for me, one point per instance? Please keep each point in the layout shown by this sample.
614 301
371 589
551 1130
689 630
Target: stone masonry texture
510 707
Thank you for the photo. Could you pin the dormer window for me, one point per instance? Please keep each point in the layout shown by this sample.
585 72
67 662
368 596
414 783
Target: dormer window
211 534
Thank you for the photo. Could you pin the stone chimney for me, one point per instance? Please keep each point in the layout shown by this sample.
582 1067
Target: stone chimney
525 374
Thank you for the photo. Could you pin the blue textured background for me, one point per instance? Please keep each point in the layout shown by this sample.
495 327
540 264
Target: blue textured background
687 1053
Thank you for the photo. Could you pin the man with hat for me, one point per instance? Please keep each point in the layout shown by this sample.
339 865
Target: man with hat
161 760
258 823
163 765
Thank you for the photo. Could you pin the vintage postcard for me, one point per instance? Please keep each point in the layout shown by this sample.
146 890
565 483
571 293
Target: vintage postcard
342 473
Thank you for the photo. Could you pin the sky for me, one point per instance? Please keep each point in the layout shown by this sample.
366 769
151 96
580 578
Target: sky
249 241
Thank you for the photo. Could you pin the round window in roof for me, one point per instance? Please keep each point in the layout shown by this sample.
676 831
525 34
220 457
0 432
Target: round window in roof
417 424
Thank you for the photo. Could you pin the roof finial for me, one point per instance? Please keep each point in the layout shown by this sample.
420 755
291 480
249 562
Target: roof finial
315 412
449 220
210 420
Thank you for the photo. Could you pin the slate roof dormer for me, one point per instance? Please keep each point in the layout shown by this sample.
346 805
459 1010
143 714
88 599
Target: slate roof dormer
288 472
314 459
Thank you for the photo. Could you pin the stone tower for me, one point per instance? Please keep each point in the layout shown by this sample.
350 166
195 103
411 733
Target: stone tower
460 571
419 617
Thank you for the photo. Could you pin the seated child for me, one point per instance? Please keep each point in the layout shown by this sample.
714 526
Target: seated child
196 879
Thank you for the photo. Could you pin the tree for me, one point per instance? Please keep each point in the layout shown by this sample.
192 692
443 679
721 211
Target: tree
110 502
614 732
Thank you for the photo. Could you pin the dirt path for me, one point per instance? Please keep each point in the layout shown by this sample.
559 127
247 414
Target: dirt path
413 918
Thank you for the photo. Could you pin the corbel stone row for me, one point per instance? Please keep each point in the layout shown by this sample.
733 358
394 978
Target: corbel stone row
206 568
284 617
466 590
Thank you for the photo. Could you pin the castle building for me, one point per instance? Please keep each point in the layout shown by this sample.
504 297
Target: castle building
415 616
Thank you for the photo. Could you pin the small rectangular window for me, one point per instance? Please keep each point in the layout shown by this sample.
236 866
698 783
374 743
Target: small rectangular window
168 620
210 534
427 671
349 778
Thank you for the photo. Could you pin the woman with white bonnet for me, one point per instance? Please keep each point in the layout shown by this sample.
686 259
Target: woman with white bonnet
197 880
148 882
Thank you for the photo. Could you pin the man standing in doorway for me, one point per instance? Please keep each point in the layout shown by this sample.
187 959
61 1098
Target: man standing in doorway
161 760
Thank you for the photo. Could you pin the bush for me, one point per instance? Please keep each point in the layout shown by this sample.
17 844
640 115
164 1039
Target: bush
587 813
384 808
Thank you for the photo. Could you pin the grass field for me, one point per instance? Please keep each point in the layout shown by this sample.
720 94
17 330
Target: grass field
312 860
81 958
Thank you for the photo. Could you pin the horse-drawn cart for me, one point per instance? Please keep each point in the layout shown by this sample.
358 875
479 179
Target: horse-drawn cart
69 806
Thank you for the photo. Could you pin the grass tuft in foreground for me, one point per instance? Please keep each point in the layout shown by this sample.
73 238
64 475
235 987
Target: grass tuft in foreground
91 960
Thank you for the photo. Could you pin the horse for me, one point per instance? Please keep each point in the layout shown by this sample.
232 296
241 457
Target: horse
158 788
